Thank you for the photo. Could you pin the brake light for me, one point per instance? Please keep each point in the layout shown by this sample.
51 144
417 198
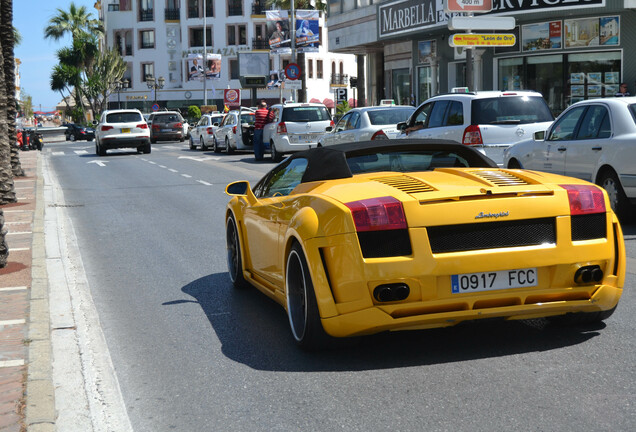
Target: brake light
472 135
105 128
585 199
142 126
179 125
155 127
210 131
379 135
234 129
332 124
282 128
377 214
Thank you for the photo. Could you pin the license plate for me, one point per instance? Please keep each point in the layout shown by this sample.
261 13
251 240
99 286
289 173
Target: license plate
166 130
304 138
487 281
125 130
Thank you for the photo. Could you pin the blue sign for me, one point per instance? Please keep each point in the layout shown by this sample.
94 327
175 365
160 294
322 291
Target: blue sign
292 71
155 107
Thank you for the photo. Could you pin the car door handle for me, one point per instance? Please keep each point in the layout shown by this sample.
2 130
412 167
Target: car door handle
597 148
562 149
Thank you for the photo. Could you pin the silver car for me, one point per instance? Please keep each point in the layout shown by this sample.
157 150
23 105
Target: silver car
367 124
592 140
202 134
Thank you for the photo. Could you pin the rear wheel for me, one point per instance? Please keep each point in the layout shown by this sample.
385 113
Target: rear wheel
234 260
100 150
302 309
514 164
72 137
146 148
618 200
276 155
192 146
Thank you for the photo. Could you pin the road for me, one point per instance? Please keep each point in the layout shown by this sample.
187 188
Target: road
192 354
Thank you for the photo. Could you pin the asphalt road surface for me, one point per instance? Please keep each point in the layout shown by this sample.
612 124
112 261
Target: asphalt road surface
192 354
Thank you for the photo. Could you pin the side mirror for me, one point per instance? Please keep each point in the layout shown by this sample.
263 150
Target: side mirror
401 126
237 188
95 122
215 124
539 136
329 128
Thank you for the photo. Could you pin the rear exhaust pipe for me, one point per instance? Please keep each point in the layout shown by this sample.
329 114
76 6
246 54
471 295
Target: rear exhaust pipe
587 274
391 292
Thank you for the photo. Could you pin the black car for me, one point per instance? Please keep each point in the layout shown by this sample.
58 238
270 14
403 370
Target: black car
77 132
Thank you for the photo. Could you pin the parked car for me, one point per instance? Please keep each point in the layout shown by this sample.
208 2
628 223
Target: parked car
125 128
75 132
488 120
593 140
295 127
390 235
166 125
367 124
236 132
202 134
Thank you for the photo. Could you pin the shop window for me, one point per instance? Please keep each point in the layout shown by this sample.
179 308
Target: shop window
401 86
511 74
593 75
545 75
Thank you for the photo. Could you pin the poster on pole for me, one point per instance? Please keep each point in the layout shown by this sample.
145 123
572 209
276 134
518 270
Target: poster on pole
278 32
307 30
197 68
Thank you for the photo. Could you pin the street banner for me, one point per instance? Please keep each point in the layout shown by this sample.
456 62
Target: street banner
278 31
197 68
307 30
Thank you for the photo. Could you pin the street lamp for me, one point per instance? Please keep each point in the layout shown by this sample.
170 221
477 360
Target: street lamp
156 85
121 85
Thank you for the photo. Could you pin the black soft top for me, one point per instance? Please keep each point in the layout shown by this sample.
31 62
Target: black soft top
330 163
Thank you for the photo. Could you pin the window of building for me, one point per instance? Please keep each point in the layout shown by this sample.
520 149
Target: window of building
236 34
123 42
401 86
234 7
147 39
146 10
310 68
125 5
260 37
234 70
195 8
147 69
196 37
319 69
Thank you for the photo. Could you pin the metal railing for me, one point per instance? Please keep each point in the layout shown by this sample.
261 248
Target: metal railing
146 15
258 44
173 14
258 8
339 79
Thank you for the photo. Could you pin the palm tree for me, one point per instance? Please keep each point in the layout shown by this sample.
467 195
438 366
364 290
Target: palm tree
76 22
8 35
7 191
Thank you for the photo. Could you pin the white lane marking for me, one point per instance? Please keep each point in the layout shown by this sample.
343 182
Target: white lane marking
186 176
173 170
162 166
100 163
58 153
154 163
204 183
12 322
19 232
18 249
11 363
81 152
13 288
200 158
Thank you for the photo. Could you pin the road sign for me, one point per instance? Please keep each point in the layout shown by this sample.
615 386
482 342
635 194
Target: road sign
292 71
340 94
293 85
478 6
481 40
155 107
481 23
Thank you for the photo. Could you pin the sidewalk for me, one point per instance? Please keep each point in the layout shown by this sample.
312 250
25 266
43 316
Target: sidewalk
26 387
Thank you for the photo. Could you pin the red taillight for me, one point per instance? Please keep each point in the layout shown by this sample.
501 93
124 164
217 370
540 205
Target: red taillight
142 126
377 214
379 135
234 130
585 199
472 135
282 128
210 131
105 128
179 125
332 124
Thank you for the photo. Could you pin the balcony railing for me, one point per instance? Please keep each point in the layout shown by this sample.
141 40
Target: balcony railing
146 15
193 12
147 45
258 8
339 79
173 13
259 44
113 7
235 9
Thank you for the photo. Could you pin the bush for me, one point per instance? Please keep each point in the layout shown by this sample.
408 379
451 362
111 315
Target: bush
194 112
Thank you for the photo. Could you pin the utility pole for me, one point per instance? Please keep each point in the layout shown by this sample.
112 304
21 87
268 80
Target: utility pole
205 56
292 36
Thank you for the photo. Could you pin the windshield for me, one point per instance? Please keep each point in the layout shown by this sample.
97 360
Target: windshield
305 114
124 117
390 115
510 110
406 161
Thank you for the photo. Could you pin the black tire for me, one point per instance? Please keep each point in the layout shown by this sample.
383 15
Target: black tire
228 147
72 137
147 149
99 150
192 146
581 318
276 155
618 200
67 137
203 146
215 145
234 260
514 164
302 308
153 140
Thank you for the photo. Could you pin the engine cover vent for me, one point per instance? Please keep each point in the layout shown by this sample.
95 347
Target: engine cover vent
500 178
405 183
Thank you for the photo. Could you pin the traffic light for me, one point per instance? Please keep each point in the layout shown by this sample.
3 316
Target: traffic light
353 81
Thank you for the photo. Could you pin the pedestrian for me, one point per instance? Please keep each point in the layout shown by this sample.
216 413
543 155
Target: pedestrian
260 119
622 91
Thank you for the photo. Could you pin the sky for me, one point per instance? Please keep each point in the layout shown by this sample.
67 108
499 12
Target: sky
37 54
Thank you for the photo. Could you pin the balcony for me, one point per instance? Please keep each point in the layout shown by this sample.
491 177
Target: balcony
113 7
260 44
259 8
146 15
147 45
339 79
172 14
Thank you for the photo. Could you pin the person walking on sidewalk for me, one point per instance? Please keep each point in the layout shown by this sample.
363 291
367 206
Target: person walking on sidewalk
260 119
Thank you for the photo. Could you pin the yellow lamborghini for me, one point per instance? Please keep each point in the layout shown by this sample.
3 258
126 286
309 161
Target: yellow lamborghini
367 237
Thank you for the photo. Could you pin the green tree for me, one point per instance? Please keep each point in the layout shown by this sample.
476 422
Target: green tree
100 81
194 112
77 21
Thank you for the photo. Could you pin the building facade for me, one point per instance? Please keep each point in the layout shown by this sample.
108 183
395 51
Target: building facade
159 38
568 50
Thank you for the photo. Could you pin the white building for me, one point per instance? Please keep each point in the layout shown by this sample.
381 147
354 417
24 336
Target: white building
155 38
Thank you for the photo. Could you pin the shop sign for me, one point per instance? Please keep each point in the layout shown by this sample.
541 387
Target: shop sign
232 97
481 40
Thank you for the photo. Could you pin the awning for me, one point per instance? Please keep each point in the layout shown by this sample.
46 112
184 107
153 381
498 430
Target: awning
314 100
328 103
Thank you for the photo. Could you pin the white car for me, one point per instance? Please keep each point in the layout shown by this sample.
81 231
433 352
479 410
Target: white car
295 127
594 140
202 134
367 124
488 120
124 128
236 132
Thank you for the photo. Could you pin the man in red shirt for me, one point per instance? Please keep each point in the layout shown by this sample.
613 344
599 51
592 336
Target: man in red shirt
260 119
